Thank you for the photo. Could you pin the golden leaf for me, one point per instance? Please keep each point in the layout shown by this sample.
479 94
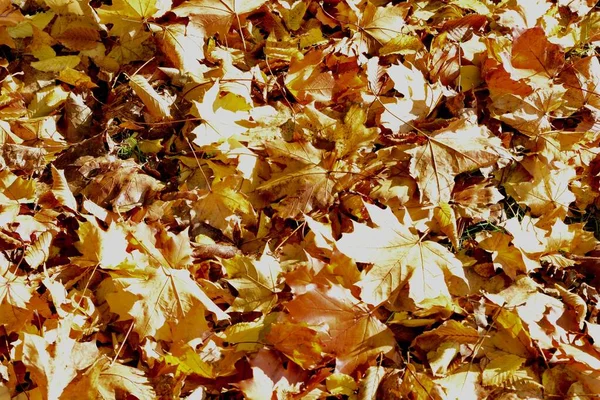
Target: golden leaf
158 107
399 257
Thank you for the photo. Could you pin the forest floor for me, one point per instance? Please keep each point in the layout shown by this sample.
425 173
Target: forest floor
285 199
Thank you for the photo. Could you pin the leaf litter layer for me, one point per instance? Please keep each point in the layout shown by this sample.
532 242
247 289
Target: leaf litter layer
299 199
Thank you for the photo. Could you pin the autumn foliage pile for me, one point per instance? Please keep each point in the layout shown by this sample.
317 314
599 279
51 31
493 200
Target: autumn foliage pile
299 199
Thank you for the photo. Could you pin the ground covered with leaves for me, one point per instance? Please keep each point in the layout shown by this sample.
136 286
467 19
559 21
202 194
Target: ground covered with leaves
299 200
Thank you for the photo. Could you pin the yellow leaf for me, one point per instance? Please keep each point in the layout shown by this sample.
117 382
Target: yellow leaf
188 361
402 44
15 290
61 190
470 77
183 45
506 256
298 342
224 207
132 46
56 64
76 78
247 336
444 213
501 369
270 379
176 248
383 23
130 15
461 147
294 17
45 358
466 379
547 193
370 383
106 378
47 100
440 358
158 299
255 281
76 32
220 119
158 107
39 251
17 188
99 247
399 257
341 384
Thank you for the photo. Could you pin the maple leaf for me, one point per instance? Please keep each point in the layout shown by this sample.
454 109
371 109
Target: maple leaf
164 247
399 257
369 139
256 282
129 16
307 81
132 46
216 16
582 82
461 147
99 247
108 379
531 114
420 98
46 358
509 258
374 25
354 335
547 193
298 342
311 178
350 136
383 23
523 13
224 207
221 118
15 291
159 300
183 45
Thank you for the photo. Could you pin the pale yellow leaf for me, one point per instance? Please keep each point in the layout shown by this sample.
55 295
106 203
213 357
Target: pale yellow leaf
158 107
56 64
501 369
61 190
